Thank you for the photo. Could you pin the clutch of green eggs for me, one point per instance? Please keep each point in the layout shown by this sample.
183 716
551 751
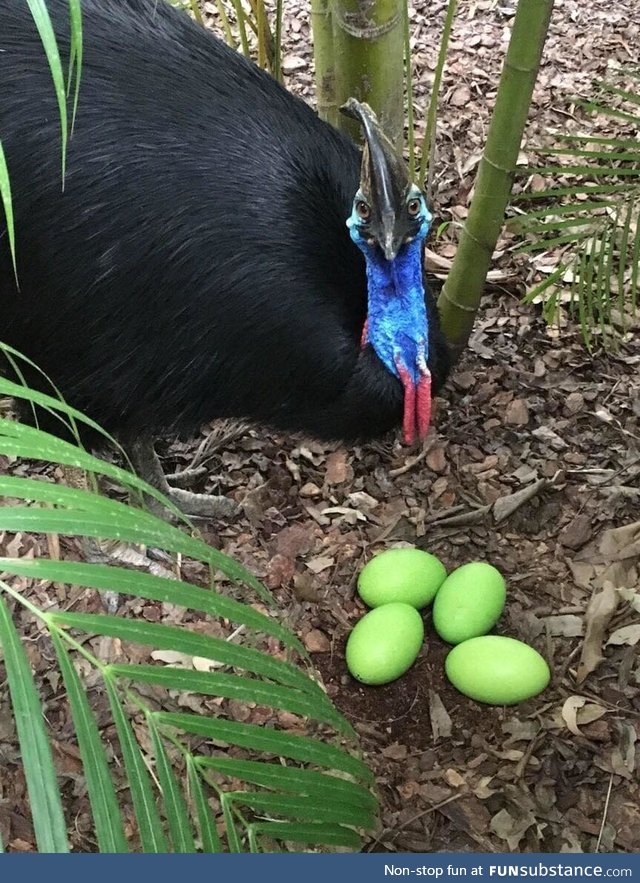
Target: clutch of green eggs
468 603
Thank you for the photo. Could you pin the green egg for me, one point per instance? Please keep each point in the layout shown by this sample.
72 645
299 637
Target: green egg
410 576
497 670
469 602
385 643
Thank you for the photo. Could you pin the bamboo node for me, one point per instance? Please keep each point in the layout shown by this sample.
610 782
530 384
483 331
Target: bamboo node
494 165
365 33
454 303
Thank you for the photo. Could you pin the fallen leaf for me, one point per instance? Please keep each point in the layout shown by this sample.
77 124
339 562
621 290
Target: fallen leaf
517 413
440 721
623 756
395 751
621 542
294 540
351 516
338 470
436 459
280 571
453 778
510 828
628 634
576 713
461 96
202 664
598 616
172 657
316 641
292 63
320 563
566 625
363 501
578 532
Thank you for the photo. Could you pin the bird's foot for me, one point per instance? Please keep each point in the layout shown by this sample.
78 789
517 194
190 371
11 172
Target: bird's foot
186 477
147 465
199 505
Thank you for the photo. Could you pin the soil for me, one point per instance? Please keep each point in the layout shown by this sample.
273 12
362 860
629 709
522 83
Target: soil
533 464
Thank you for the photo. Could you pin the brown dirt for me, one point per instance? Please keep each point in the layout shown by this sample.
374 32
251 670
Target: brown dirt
558 773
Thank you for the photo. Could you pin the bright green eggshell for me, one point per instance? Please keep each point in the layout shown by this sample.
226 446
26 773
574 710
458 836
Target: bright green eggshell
469 602
385 643
497 670
410 576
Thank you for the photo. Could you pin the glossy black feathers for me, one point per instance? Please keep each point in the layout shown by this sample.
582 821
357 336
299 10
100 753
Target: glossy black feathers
197 264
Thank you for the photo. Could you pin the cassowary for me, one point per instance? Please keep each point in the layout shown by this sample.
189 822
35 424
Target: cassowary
216 250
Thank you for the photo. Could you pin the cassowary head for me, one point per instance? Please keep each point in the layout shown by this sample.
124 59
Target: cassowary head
388 223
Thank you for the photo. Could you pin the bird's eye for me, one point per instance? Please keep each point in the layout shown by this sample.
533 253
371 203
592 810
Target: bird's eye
363 210
413 207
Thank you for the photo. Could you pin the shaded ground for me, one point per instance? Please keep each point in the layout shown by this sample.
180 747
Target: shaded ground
534 458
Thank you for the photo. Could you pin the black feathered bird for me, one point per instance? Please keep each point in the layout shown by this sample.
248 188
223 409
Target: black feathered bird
198 262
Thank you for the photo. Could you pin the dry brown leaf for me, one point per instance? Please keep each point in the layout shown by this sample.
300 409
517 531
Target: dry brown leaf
320 563
280 571
506 506
395 751
200 663
628 634
440 721
338 469
316 641
576 712
566 625
621 542
598 616
453 778
623 756
172 657
511 829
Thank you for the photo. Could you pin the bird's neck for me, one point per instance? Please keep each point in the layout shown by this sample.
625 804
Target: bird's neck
397 315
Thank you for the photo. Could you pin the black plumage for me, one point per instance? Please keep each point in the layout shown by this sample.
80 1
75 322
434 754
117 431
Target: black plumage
197 264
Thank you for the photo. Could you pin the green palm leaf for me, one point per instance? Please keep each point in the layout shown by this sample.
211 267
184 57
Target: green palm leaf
595 242
40 773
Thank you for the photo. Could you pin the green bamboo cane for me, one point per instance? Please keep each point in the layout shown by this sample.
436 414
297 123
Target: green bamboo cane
368 42
429 140
408 68
322 29
460 297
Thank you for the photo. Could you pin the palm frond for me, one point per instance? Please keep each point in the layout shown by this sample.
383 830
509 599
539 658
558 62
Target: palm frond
583 231
194 780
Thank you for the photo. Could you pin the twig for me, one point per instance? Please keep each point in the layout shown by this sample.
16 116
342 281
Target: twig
604 813
401 470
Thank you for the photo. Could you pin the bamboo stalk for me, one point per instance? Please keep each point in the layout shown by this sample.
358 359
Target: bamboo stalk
429 140
408 78
460 297
368 41
322 29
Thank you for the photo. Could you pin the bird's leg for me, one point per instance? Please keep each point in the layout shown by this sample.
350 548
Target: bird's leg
147 465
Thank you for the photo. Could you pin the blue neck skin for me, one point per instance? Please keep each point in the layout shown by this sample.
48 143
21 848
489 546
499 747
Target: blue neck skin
397 324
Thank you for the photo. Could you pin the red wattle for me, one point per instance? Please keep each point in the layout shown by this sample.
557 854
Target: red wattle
409 418
423 405
363 337
417 404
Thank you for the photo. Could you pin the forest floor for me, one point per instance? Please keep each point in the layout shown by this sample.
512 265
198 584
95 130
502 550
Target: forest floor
533 464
